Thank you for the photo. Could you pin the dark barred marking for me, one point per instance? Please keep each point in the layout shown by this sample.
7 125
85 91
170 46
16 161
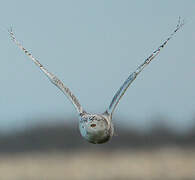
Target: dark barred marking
52 78
93 125
132 77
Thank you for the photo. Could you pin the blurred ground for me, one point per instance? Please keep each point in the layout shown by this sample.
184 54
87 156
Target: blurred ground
57 152
161 164
66 138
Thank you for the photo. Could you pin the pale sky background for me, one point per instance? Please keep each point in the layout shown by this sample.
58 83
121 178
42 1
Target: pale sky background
92 46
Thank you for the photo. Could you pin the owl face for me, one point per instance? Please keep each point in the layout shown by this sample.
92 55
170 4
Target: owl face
95 128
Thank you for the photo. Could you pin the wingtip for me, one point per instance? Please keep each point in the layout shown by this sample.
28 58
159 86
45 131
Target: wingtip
10 31
181 22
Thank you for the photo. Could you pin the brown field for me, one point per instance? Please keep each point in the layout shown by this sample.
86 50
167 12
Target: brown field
159 164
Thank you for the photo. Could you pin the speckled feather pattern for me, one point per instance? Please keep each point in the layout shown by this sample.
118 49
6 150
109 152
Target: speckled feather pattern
51 77
96 128
132 76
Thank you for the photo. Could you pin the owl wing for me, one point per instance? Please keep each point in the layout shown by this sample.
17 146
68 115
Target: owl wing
132 76
51 77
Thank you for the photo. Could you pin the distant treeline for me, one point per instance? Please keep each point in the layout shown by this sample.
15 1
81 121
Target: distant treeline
67 138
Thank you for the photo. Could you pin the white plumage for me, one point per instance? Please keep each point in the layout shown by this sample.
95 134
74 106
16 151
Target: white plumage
96 128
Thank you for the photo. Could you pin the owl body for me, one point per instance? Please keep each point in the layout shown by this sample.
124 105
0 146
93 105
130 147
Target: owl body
96 128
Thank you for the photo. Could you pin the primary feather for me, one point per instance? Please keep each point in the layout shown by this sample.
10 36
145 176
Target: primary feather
96 128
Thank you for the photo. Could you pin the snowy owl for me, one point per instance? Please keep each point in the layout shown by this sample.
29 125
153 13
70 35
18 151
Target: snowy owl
96 128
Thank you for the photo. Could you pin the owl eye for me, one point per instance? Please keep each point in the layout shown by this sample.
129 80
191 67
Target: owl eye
93 125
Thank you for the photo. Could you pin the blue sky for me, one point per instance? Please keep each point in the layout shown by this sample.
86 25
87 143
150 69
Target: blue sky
92 46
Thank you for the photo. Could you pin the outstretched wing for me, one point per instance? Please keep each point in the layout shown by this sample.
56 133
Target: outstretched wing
132 76
51 77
